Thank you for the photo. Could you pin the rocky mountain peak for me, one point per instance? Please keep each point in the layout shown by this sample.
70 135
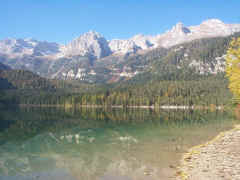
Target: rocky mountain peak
215 27
142 41
90 44
91 35
180 29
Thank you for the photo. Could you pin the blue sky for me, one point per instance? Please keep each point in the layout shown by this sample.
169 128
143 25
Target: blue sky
62 20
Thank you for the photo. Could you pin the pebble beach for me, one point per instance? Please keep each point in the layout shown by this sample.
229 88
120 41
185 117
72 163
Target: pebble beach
218 159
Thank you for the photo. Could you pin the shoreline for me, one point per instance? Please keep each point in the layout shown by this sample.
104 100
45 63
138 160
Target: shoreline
173 107
213 160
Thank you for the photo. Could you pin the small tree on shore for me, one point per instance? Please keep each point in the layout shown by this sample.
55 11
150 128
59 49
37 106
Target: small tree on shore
233 68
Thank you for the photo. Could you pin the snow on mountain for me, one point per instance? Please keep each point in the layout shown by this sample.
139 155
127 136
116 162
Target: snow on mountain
89 44
209 28
19 47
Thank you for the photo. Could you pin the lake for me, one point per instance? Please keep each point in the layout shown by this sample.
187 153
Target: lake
101 144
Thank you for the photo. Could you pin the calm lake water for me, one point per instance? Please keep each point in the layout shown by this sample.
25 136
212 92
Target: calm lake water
98 144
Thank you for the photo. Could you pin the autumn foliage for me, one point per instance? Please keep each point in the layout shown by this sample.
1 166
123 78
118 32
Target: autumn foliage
233 68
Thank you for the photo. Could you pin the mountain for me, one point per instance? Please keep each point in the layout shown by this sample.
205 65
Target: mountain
177 35
23 47
210 28
90 44
4 67
132 45
95 46
93 59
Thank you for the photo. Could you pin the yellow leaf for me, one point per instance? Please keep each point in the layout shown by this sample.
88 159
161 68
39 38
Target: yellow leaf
233 67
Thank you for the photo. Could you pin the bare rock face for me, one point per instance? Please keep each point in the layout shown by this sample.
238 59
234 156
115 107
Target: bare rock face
180 30
212 28
119 46
144 42
89 44
132 45
177 35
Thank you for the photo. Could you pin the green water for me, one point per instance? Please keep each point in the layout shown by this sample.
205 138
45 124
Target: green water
98 144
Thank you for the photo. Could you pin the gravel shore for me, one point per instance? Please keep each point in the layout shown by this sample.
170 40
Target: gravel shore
218 159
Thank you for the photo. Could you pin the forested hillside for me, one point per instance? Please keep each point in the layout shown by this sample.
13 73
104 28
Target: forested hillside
202 91
21 79
12 82
187 74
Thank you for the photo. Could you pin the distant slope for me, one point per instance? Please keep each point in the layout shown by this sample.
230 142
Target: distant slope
21 79
4 67
182 62
198 57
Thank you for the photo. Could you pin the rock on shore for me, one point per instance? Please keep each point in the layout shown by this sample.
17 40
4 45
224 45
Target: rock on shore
218 159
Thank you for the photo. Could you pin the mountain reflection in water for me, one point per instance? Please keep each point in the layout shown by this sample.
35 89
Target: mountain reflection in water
100 144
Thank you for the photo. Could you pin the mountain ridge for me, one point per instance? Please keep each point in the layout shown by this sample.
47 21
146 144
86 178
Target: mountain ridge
94 62
95 46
